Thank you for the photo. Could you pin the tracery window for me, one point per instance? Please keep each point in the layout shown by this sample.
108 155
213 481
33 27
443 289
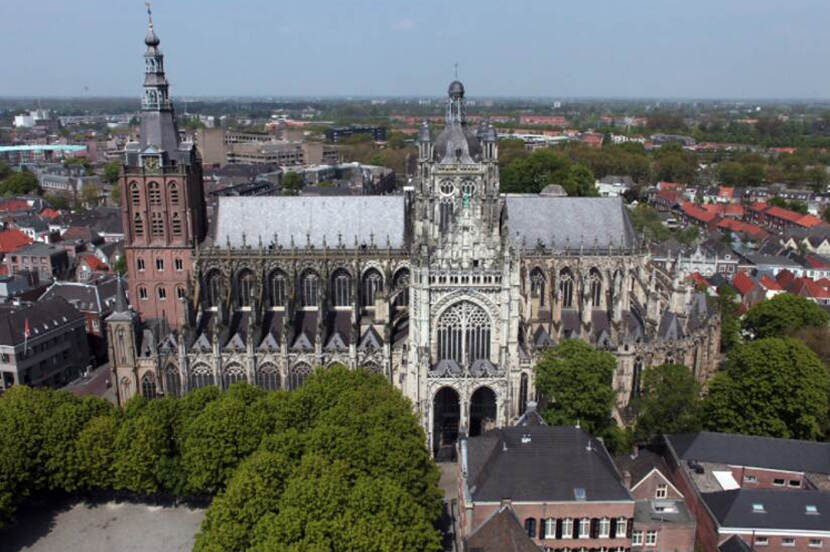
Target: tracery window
596 288
464 333
445 210
566 288
135 194
154 193
297 375
537 285
138 225
268 377
234 373
174 193
372 283
276 288
342 289
213 288
245 286
310 285
172 381
148 386
201 376
157 224
402 288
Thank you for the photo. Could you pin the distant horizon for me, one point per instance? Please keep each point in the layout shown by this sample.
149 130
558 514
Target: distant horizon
741 50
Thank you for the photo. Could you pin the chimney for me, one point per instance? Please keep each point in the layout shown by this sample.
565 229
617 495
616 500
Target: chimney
626 479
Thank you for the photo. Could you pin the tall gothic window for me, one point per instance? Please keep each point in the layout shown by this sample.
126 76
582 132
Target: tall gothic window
201 376
445 213
173 190
154 191
213 288
135 194
245 286
596 287
138 225
342 289
537 285
464 333
172 381
566 288
402 288
310 285
276 288
157 224
372 283
234 373
176 223
297 375
268 377
148 386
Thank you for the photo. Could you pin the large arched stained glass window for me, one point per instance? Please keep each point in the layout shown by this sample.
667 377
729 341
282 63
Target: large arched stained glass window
342 289
201 376
234 373
464 333
372 284
213 288
596 287
245 285
172 381
566 288
268 377
276 288
537 285
310 287
148 386
297 375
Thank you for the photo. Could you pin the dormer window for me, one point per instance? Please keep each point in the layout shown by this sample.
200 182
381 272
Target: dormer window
811 509
758 508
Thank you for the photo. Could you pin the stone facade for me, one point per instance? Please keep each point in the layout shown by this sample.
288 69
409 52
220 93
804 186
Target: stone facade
452 289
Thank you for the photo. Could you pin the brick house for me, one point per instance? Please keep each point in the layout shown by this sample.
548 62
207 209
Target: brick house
661 516
773 493
560 483
47 261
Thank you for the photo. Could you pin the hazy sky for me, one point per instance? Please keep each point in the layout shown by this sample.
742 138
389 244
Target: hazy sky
608 48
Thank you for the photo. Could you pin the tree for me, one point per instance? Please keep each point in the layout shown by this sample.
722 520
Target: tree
112 171
120 266
115 195
783 314
575 381
669 402
57 201
291 183
19 183
730 325
773 386
95 452
90 194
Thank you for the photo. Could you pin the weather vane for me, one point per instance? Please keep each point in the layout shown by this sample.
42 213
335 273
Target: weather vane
149 13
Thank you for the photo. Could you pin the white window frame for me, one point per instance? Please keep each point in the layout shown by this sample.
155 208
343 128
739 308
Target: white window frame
761 541
178 264
622 526
160 264
790 544
749 478
776 483
139 263
604 528
550 528
815 543
651 537
636 538
585 528
567 528
662 491
142 293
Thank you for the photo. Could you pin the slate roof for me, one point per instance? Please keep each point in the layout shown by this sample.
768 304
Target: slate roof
562 222
782 509
641 465
748 450
97 296
501 532
734 544
550 466
364 218
42 316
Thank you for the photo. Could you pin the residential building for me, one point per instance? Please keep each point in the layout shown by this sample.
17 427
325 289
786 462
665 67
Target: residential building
53 353
560 483
773 493
47 261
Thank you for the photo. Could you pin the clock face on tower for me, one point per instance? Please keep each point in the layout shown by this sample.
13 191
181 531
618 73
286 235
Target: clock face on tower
151 163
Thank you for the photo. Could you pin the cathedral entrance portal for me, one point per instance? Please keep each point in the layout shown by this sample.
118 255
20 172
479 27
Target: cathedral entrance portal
446 410
482 411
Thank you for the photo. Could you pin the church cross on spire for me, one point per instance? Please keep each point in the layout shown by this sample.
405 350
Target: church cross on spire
149 14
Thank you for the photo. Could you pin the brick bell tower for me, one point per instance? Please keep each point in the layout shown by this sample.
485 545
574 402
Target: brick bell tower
162 199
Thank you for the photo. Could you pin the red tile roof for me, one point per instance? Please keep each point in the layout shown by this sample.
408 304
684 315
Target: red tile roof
14 205
725 209
759 206
50 213
11 240
726 191
94 263
697 213
743 227
770 284
808 221
670 196
785 278
668 186
743 283
698 278
816 262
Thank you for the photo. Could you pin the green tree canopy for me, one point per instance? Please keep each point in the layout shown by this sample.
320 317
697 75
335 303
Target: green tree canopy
531 173
18 183
291 183
773 386
575 381
669 403
783 314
